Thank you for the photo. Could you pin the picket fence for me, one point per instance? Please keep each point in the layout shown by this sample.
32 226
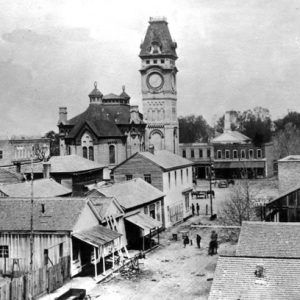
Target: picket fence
41 281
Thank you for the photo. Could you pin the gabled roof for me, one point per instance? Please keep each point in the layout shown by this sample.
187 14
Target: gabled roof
234 278
231 137
99 118
132 193
64 164
269 239
158 32
166 159
7 176
61 214
41 188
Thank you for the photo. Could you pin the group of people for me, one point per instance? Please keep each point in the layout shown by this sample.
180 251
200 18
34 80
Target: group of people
213 244
197 208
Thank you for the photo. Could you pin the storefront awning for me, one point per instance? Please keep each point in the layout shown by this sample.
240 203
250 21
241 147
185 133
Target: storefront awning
239 164
144 222
97 236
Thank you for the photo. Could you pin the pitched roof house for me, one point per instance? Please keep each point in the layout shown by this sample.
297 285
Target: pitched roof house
168 172
62 227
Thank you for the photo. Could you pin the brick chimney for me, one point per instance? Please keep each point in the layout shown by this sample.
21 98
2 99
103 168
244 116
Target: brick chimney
63 115
46 169
227 121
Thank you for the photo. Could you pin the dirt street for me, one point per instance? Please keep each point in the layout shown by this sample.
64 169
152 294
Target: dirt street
170 271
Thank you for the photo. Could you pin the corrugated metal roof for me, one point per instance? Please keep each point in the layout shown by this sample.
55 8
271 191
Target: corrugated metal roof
166 159
132 193
265 239
97 236
144 222
41 187
234 278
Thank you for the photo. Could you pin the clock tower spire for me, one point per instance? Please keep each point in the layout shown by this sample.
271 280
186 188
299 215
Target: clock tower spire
159 93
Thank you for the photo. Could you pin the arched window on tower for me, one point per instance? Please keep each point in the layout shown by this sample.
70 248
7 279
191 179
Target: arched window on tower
91 153
84 152
112 154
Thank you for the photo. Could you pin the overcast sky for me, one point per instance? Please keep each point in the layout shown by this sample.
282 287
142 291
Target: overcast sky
233 54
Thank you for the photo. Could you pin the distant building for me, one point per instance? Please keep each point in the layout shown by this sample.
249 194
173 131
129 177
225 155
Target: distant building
107 132
143 207
159 87
166 171
19 149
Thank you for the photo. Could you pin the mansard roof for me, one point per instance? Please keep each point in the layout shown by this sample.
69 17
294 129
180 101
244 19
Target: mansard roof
158 33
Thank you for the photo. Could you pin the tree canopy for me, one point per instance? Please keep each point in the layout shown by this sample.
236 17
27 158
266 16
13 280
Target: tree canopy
54 142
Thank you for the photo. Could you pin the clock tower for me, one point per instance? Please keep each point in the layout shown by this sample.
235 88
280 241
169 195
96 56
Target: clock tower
158 72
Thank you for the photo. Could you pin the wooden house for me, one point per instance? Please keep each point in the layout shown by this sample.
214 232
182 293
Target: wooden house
168 172
143 207
62 227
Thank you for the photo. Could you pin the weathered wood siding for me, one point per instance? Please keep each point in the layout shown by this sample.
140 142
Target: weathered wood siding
19 248
138 166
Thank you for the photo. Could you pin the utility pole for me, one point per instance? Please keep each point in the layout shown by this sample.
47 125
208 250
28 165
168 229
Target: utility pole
210 191
31 215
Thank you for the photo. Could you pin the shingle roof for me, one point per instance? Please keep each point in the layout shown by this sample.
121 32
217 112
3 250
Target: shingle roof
64 164
61 214
41 188
231 137
132 193
269 239
7 176
100 118
166 159
234 279
158 32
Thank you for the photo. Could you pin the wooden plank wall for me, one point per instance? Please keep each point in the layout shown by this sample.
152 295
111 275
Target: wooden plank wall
41 281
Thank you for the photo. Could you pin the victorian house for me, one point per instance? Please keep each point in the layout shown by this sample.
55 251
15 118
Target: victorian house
108 131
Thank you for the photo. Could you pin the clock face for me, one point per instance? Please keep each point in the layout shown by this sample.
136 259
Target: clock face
155 81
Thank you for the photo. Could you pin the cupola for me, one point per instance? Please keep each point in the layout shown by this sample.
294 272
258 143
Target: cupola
95 95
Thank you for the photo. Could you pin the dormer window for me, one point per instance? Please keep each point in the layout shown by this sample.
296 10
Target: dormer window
155 48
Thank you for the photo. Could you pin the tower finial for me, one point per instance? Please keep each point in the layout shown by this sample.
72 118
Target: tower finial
123 88
95 84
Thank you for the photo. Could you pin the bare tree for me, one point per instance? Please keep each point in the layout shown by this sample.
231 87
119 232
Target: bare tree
241 205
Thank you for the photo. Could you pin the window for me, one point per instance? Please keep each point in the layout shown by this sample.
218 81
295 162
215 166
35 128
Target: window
46 257
162 61
200 153
250 153
61 250
4 253
219 154
128 177
183 153
84 152
243 153
147 61
169 178
175 176
146 210
208 152
181 175
91 153
187 174
155 61
112 154
1 154
235 154
147 178
258 153
152 210
227 154
158 211
187 202
192 153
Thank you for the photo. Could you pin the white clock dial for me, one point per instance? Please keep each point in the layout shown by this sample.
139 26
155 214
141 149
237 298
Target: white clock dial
155 80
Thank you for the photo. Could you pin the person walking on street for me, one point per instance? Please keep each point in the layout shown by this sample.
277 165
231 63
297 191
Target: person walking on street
185 241
193 209
198 208
198 240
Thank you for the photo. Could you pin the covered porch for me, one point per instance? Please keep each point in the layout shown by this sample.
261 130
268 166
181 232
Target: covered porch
142 231
96 251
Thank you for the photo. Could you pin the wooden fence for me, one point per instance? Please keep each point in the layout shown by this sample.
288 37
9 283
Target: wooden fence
41 281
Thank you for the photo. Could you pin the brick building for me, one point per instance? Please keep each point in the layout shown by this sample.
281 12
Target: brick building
108 131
